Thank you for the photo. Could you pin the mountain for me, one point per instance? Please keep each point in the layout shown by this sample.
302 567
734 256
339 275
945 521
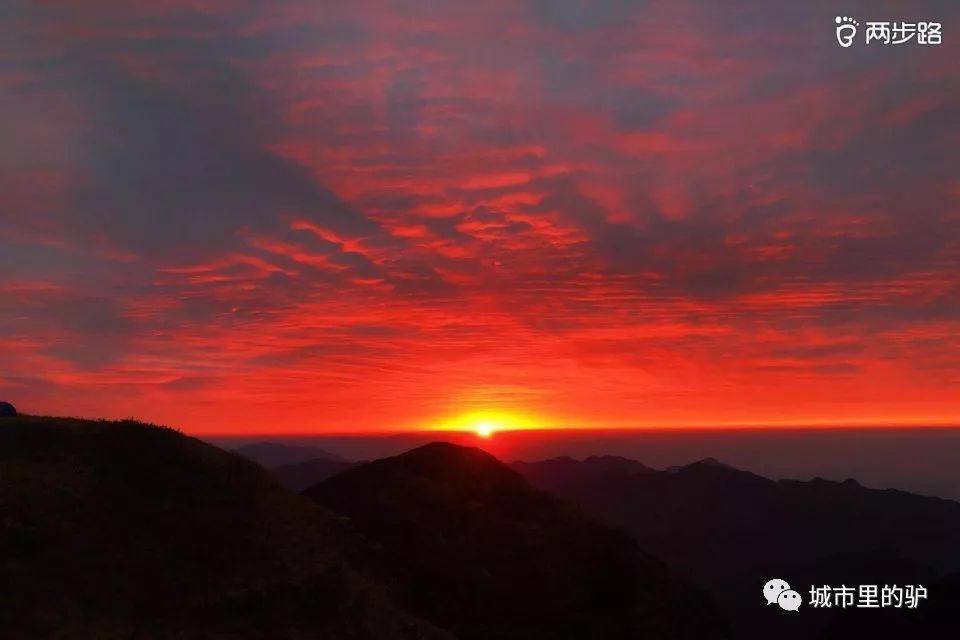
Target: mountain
731 530
705 462
114 530
467 543
274 454
302 475
713 519
558 472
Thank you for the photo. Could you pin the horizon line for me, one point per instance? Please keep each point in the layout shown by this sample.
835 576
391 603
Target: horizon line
784 427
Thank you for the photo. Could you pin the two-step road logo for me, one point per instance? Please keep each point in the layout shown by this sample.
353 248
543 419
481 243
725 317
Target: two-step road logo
894 33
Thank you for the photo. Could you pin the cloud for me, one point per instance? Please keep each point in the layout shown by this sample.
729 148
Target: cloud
379 213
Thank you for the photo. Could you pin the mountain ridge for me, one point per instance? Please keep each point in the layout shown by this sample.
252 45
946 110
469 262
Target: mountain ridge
730 530
528 565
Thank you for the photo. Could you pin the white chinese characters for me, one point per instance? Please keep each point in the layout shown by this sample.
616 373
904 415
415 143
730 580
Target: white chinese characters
867 596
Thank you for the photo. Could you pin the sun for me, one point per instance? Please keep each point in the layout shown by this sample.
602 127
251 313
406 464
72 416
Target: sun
485 424
485 428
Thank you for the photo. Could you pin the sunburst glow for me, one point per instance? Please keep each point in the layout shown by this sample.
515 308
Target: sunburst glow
486 423
485 428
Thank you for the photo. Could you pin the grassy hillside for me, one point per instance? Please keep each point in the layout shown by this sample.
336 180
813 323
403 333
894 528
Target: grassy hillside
123 530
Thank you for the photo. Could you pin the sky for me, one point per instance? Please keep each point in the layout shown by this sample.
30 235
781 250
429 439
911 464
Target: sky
307 216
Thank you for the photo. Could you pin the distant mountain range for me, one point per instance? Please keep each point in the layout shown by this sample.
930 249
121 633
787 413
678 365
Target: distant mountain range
274 454
303 475
560 472
730 530
713 520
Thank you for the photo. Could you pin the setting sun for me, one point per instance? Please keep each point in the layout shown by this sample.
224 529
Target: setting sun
487 423
485 428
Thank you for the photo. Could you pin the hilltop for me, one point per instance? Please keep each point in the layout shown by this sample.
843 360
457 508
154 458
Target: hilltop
465 541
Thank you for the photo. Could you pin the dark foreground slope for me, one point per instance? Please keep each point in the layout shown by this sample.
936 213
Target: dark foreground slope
123 530
466 542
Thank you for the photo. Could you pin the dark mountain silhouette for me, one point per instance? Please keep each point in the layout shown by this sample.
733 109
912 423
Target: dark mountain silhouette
275 454
680 514
547 475
302 475
7 410
731 531
115 530
467 543
124 530
706 462
558 472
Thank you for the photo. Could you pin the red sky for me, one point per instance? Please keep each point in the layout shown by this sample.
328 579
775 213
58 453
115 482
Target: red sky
306 216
